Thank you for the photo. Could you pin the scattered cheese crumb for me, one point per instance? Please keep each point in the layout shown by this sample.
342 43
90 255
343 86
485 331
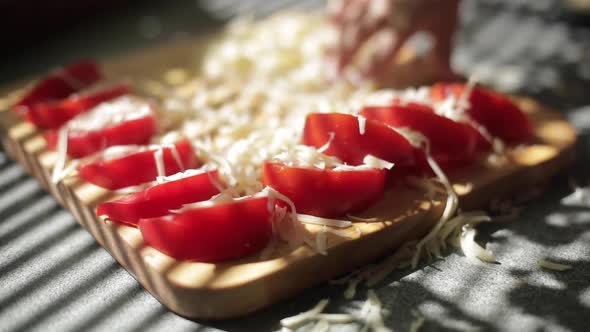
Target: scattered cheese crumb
62 155
362 123
473 250
545 264
309 219
371 311
304 317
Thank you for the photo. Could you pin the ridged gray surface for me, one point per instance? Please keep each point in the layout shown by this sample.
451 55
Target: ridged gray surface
54 277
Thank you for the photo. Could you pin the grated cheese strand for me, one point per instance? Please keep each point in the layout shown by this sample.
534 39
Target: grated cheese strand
463 101
355 218
322 241
175 155
343 233
309 219
371 311
545 264
159 159
321 326
472 249
362 123
304 317
350 290
185 174
376 162
62 155
336 318
326 146
448 212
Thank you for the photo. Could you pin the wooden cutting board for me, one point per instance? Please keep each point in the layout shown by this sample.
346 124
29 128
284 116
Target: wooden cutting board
236 288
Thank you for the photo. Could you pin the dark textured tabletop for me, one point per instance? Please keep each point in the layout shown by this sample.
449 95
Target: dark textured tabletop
54 276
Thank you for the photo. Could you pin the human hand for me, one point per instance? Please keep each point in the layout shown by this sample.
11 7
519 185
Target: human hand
391 22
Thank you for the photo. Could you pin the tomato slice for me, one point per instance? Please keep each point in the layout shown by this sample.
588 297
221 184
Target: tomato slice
350 146
212 233
451 143
61 84
53 114
122 121
495 112
324 192
138 168
157 201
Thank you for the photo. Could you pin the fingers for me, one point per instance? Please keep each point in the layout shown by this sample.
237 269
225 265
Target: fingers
390 43
362 20
335 10
349 33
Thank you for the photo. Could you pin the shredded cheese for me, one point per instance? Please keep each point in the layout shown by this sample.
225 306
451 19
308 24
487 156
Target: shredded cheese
362 123
321 326
375 162
309 219
108 113
371 311
472 249
372 219
545 264
449 210
159 159
326 146
304 317
185 174
62 155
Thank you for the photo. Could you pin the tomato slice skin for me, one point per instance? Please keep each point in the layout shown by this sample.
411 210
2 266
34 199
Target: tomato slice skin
350 146
451 143
60 84
495 112
83 143
53 114
323 192
212 234
137 168
157 201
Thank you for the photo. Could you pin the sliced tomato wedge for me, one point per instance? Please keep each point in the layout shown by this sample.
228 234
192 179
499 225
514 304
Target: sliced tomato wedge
122 121
212 233
52 115
139 167
496 113
451 143
350 146
157 201
60 85
324 192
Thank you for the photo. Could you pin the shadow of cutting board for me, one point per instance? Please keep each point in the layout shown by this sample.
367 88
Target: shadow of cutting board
236 288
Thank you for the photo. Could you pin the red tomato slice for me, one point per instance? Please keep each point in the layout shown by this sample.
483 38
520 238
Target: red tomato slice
213 233
350 146
123 121
323 192
81 144
451 143
52 115
137 168
157 201
61 84
495 112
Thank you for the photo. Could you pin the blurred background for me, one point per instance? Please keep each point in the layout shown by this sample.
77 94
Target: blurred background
527 46
53 276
